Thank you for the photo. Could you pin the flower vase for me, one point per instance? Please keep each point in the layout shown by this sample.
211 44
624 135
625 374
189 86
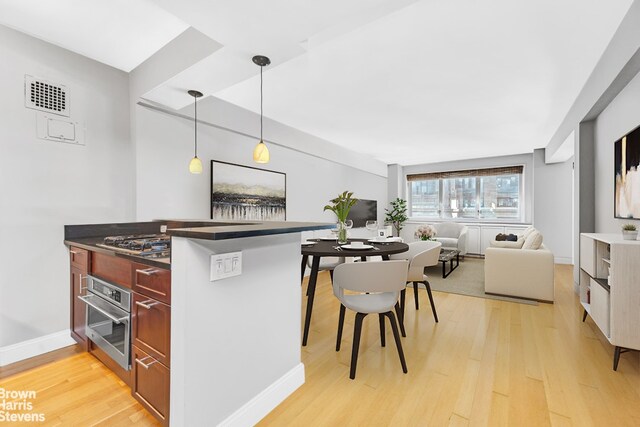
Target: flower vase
342 233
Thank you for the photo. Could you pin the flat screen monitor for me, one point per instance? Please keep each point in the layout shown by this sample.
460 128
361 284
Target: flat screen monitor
363 211
626 154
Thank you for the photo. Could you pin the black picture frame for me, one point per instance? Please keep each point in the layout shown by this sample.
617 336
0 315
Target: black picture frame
254 200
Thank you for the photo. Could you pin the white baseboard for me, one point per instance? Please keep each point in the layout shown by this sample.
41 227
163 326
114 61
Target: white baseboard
35 347
258 407
563 260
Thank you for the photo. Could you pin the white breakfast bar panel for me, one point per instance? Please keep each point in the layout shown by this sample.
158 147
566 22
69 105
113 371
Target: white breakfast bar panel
235 343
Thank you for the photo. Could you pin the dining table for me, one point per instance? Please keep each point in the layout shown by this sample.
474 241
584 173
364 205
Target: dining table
330 248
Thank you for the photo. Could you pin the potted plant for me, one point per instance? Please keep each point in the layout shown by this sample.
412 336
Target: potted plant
397 215
341 206
629 232
425 232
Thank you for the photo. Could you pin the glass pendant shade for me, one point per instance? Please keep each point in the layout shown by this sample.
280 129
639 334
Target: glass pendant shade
195 165
261 153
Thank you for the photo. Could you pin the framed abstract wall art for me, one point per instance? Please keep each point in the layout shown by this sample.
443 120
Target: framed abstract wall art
626 154
246 193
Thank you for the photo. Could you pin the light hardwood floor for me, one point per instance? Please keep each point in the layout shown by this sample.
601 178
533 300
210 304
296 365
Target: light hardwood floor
486 363
77 390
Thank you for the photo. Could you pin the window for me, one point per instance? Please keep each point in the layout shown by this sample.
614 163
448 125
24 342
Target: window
474 194
426 198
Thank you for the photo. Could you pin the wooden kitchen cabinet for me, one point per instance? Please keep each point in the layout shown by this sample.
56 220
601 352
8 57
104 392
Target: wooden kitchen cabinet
79 271
150 384
152 281
111 268
151 327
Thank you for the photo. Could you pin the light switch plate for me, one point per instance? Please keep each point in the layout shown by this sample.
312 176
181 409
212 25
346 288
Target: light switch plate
225 265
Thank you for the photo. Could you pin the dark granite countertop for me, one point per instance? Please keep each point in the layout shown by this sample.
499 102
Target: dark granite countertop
87 236
243 229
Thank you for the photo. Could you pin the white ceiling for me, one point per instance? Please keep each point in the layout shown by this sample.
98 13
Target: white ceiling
119 33
442 80
407 81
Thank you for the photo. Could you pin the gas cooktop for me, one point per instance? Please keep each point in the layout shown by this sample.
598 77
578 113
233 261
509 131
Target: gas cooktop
146 245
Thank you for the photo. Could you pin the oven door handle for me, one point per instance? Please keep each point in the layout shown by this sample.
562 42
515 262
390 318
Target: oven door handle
85 299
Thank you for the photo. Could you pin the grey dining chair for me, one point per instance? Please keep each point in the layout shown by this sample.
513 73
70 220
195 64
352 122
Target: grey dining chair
421 254
377 285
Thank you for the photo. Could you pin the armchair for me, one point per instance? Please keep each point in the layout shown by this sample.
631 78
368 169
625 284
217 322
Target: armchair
452 236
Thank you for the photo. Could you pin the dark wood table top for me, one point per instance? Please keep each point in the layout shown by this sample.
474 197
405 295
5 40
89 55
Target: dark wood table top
328 248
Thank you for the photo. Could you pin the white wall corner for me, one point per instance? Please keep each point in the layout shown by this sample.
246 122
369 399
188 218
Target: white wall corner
258 407
35 347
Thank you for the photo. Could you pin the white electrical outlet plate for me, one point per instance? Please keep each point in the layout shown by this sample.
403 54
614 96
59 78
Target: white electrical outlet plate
225 265
163 228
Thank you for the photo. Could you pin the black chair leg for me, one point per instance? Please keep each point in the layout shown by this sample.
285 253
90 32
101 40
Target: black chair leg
381 318
433 306
357 330
415 294
340 325
400 316
584 315
331 275
396 336
403 294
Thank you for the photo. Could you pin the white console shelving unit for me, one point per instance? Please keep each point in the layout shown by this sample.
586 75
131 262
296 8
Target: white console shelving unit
610 288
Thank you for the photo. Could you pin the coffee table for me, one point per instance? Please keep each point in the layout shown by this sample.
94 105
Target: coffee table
448 255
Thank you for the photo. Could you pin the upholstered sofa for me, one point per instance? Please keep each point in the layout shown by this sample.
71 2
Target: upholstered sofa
452 236
523 269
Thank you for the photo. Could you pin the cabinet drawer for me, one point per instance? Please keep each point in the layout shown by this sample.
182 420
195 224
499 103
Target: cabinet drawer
151 327
111 268
152 281
79 258
150 384
600 311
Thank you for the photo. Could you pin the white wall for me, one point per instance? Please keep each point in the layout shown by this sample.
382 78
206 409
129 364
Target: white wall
552 205
164 146
488 162
621 116
46 185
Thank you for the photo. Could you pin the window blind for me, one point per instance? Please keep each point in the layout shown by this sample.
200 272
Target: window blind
506 170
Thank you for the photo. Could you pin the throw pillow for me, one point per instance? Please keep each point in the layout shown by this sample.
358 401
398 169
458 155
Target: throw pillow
528 231
511 238
508 245
533 241
501 237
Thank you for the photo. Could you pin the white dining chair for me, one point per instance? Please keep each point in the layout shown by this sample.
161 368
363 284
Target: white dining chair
377 285
421 254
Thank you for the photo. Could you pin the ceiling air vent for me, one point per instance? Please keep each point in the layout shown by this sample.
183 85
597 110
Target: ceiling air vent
46 96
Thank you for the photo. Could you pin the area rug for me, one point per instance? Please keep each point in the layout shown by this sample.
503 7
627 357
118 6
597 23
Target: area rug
467 279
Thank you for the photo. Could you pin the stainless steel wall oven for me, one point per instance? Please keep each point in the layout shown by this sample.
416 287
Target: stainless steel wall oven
109 319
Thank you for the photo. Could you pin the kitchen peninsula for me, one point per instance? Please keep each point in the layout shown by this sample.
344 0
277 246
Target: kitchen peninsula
233 344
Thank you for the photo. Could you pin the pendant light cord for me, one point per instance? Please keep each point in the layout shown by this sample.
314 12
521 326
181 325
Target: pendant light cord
195 108
261 67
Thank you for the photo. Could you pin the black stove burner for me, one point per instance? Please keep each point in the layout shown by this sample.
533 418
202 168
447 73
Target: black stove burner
140 243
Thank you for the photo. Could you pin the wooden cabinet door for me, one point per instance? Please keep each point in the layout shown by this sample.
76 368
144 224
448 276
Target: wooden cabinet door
151 327
473 239
79 261
150 384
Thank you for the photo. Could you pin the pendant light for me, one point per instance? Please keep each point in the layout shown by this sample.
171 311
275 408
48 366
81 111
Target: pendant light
195 165
261 152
